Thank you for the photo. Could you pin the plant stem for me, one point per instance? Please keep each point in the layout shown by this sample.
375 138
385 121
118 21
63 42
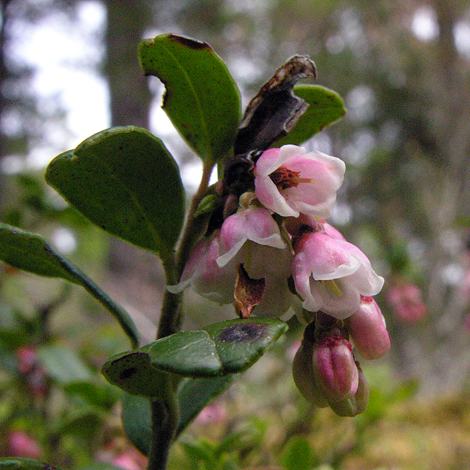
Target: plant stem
164 423
192 227
171 317
165 413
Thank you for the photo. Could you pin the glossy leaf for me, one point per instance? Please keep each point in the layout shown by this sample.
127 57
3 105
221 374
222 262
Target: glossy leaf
193 395
201 98
125 181
16 463
326 107
30 252
223 348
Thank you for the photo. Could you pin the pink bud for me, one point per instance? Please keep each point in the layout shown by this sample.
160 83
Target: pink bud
358 403
304 378
334 368
368 331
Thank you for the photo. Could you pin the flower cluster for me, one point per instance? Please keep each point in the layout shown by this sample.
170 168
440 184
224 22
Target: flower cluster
273 252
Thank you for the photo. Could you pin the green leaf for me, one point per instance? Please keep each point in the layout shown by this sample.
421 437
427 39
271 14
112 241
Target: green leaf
125 181
297 454
63 364
136 416
201 99
30 252
223 348
101 395
100 466
14 463
193 395
326 107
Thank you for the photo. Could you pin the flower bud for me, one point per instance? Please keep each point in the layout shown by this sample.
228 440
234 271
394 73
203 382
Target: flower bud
368 331
358 403
302 371
334 368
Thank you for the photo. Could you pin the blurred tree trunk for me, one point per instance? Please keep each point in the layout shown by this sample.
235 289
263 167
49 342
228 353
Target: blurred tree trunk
129 94
3 77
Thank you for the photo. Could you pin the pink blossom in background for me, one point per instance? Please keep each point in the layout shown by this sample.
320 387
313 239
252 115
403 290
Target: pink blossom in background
407 302
21 444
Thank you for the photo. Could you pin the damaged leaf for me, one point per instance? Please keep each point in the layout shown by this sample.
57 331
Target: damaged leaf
275 110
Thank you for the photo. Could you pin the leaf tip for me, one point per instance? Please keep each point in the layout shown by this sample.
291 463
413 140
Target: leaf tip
189 42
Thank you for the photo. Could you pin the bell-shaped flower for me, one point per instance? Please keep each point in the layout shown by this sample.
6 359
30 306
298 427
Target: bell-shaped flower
304 377
250 238
204 275
289 181
331 274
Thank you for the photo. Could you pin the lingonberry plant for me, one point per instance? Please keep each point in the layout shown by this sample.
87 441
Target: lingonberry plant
257 239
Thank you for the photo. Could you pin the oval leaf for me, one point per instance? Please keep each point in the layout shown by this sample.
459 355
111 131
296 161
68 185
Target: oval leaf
16 463
201 99
136 417
125 181
326 107
223 348
30 252
240 343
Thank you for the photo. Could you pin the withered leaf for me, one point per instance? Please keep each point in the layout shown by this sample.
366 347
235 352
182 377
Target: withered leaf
275 110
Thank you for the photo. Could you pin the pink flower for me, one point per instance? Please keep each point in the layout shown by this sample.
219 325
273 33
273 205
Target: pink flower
249 237
256 225
331 274
290 182
368 331
204 275
407 302
21 444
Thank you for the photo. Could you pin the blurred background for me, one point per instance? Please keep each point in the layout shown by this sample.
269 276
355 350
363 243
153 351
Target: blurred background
69 69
